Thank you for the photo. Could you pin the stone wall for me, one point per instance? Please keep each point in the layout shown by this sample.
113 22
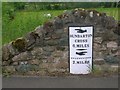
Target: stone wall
44 51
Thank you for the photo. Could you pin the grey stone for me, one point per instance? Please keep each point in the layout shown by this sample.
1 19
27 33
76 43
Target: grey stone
31 39
98 40
56 60
44 60
63 42
6 63
50 59
98 54
59 31
65 56
37 51
65 30
110 22
34 68
67 19
62 65
22 57
39 31
56 36
118 52
13 51
111 59
48 27
15 63
9 69
114 51
109 36
51 42
34 62
58 22
49 48
42 72
114 68
23 68
5 53
61 48
112 44
99 61
43 66
57 54
97 47
46 53
103 47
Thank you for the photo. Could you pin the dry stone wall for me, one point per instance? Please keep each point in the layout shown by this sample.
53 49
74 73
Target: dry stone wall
44 51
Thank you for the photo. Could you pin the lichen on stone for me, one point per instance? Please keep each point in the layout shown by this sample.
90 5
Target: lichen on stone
19 44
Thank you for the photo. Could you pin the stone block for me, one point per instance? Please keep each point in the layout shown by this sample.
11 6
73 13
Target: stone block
10 69
6 63
63 42
111 59
42 72
65 56
49 48
23 68
58 23
37 51
43 66
98 40
50 59
56 36
57 60
34 62
22 56
51 42
57 54
58 31
61 48
31 73
112 44
103 47
13 51
15 63
45 53
99 61
96 47
5 53
98 54
62 65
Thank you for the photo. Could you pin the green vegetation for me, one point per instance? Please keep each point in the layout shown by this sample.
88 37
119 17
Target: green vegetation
110 12
23 23
21 18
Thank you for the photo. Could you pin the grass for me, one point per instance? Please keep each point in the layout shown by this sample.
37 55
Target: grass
110 12
25 22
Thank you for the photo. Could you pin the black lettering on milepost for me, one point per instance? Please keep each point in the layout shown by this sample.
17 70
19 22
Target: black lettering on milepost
81 31
73 62
81 53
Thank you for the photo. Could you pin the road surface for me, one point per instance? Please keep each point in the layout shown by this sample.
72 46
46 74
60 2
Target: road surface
60 82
